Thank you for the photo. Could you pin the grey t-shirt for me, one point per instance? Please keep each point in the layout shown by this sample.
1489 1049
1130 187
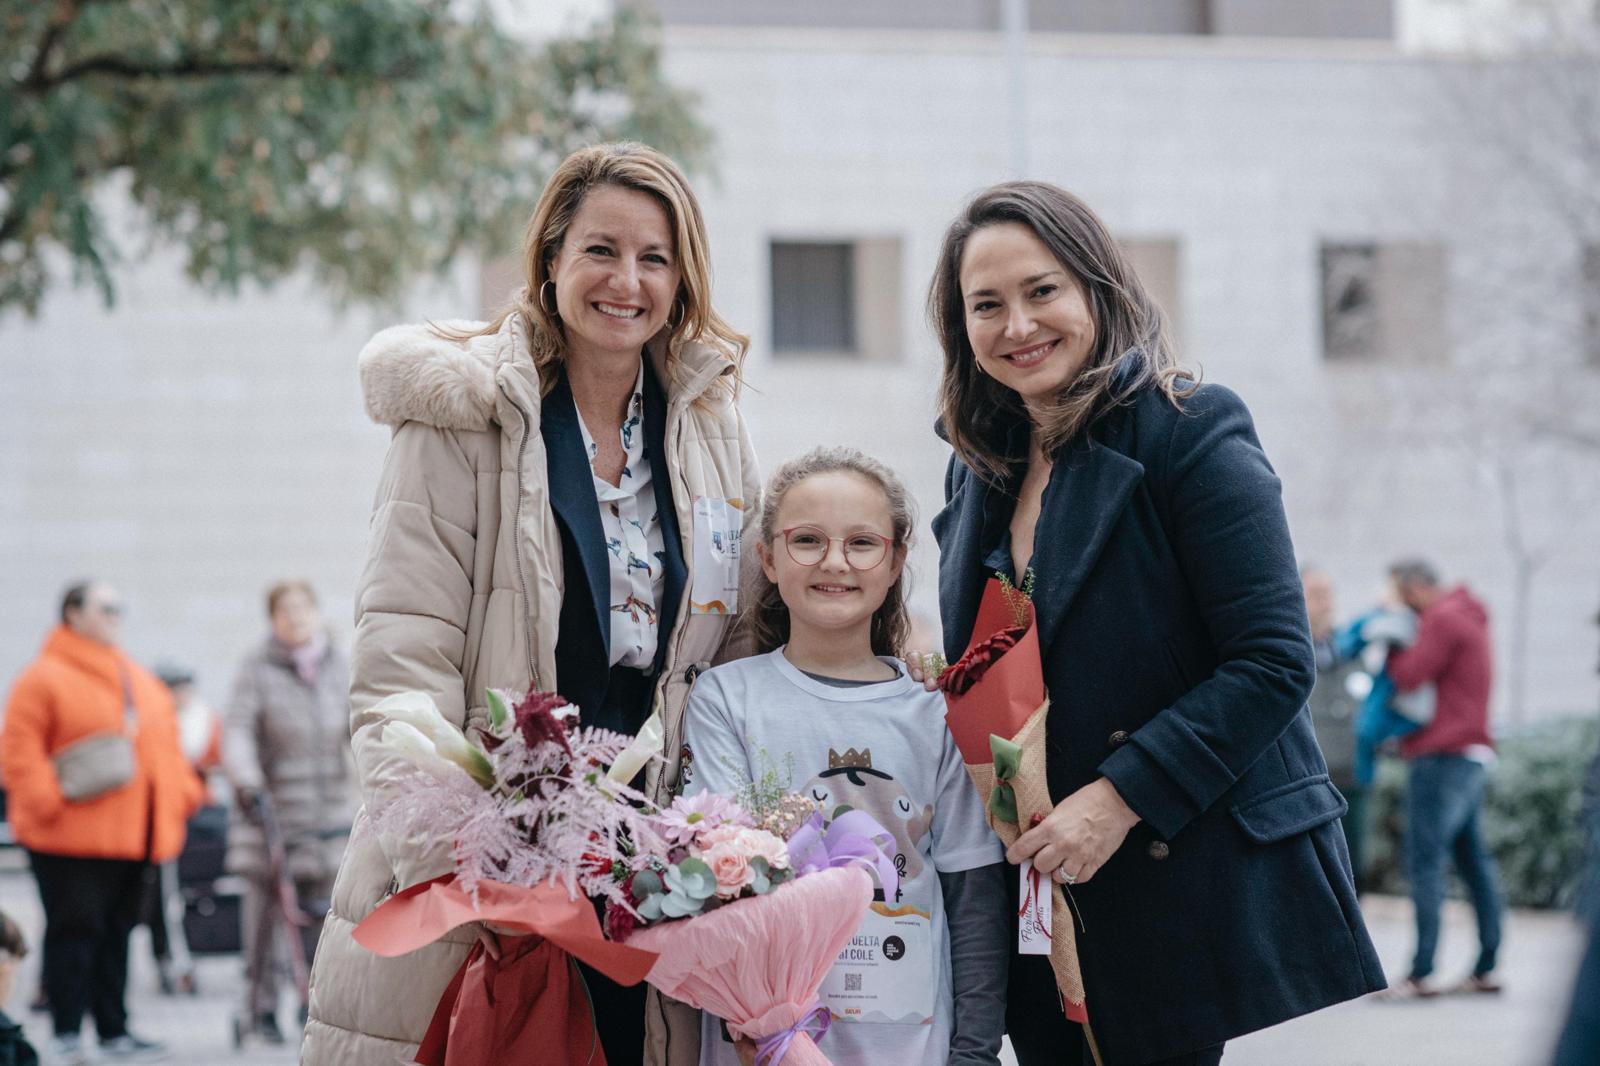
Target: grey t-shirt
883 748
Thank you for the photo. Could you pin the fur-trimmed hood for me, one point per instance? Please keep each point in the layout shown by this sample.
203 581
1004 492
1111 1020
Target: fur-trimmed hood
410 373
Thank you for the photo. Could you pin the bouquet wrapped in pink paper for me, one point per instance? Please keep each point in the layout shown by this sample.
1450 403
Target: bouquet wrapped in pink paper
751 908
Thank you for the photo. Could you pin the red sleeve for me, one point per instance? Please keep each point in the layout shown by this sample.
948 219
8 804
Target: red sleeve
1426 659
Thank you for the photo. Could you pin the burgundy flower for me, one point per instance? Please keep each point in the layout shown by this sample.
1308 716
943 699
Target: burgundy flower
536 720
620 923
967 671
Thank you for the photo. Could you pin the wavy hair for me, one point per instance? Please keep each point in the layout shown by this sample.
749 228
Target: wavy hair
627 165
891 622
1131 350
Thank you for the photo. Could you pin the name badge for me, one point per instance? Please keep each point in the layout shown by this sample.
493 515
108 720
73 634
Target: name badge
885 974
718 521
1033 917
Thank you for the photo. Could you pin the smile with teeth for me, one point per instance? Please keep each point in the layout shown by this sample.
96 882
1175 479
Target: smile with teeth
1031 356
832 589
618 311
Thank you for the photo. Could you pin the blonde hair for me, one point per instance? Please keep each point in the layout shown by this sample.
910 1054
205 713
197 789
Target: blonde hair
1132 350
891 622
627 165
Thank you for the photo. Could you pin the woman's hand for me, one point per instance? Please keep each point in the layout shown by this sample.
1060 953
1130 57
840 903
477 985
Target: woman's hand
923 668
1073 841
745 1048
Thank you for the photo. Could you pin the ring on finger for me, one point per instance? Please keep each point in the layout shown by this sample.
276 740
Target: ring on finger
1064 876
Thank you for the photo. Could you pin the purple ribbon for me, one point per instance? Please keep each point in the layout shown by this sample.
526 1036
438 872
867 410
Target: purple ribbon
853 837
770 1050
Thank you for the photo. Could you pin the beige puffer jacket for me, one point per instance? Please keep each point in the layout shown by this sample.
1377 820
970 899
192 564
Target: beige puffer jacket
462 591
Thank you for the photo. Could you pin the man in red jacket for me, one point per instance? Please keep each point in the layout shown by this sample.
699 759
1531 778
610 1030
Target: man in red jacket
1448 763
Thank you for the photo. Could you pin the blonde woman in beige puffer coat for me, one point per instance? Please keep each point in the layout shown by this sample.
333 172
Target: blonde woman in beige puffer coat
489 561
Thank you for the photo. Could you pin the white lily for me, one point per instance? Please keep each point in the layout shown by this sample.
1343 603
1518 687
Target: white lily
646 746
417 711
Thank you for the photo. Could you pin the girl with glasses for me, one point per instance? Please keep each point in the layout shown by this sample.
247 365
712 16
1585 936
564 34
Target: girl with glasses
830 712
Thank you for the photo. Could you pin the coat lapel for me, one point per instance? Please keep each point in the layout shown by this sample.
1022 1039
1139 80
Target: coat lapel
573 501
655 438
1088 490
961 529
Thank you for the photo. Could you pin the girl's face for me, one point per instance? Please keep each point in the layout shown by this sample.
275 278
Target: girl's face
1028 320
616 275
831 594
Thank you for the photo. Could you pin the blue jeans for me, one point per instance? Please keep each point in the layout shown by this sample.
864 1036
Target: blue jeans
1444 795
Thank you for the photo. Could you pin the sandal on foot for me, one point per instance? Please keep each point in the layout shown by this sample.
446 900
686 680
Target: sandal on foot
1482 984
1411 988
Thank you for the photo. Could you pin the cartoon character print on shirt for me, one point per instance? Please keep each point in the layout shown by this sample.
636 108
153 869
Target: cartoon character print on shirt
851 782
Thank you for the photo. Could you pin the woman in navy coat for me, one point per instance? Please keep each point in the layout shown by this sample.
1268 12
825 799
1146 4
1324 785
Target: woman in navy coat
1194 817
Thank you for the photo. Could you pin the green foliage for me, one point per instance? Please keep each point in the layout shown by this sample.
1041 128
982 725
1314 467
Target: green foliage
1532 817
368 139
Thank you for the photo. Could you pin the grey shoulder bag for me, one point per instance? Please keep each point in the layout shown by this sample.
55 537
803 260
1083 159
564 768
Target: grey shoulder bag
102 762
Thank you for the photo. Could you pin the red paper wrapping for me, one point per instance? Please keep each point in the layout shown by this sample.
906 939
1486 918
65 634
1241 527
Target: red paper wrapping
513 1009
1011 689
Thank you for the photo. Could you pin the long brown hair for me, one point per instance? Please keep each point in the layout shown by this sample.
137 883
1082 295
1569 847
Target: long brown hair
627 165
891 622
1131 349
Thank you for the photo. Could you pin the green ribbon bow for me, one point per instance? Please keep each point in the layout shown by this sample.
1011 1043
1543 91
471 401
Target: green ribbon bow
1007 761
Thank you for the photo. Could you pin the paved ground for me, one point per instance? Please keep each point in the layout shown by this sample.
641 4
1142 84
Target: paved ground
1515 1029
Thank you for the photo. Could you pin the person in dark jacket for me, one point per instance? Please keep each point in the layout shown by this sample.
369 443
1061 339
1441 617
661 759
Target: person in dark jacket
14 1047
1447 769
1194 817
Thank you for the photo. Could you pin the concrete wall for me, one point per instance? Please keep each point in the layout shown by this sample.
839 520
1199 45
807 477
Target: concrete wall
194 449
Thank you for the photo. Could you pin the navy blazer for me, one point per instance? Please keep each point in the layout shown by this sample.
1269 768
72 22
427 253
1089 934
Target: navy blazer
583 644
1178 659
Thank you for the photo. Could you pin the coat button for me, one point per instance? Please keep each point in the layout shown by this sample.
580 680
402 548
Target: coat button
1159 850
1119 738
691 673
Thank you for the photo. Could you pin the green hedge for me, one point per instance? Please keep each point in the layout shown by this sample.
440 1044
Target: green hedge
1532 817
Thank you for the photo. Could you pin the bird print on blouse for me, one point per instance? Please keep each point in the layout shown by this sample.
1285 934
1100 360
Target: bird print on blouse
632 530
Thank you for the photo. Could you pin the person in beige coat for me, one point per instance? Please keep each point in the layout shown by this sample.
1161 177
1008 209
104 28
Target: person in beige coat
562 505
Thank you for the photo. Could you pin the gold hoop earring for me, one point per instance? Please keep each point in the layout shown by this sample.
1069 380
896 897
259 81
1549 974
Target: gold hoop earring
681 309
551 311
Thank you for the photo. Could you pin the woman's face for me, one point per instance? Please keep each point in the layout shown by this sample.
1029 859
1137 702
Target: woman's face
1028 319
616 275
831 595
295 620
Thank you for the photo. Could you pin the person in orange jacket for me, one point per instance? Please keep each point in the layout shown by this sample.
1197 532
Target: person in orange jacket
89 856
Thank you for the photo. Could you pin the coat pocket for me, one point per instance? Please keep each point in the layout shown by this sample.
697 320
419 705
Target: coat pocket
1289 809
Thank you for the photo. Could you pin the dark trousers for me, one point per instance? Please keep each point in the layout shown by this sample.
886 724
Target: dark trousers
618 1015
1355 823
1042 1036
1444 795
90 906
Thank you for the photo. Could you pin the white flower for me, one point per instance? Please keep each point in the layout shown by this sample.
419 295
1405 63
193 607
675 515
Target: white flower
416 711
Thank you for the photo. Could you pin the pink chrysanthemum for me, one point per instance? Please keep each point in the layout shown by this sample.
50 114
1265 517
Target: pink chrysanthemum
690 816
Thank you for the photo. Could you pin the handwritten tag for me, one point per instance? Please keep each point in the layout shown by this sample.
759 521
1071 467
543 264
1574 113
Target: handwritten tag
1033 916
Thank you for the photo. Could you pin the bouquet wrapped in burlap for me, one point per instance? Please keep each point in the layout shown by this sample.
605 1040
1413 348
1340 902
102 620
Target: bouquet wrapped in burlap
996 704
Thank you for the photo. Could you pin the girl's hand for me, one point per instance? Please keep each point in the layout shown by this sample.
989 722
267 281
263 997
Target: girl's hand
746 1050
1073 841
922 667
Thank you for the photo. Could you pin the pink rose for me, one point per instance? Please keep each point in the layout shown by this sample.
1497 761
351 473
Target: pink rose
730 866
760 844
726 833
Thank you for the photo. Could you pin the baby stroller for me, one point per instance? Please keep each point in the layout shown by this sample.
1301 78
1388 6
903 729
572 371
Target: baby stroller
300 920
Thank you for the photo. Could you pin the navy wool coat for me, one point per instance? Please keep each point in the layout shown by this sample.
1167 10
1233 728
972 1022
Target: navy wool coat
1177 657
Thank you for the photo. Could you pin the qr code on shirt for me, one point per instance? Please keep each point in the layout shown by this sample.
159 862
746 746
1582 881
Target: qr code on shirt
852 982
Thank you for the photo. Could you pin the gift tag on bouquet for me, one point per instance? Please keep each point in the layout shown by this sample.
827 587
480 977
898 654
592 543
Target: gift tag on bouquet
1033 916
717 523
886 972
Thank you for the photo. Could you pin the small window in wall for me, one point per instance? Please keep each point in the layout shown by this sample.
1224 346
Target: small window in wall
837 299
813 306
1157 262
1383 302
1591 297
